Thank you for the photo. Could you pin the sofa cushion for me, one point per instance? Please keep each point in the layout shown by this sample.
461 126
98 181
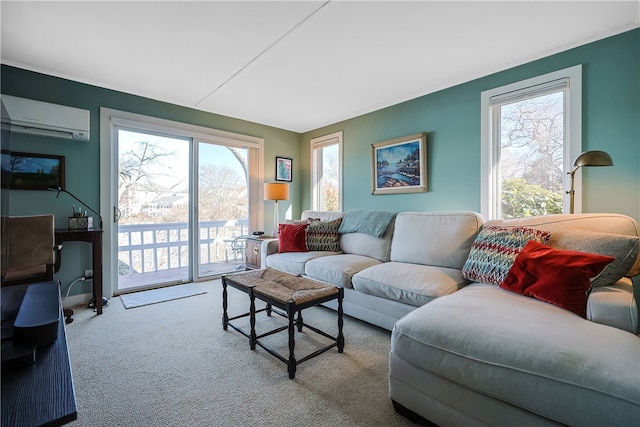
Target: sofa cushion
494 250
442 239
293 262
323 235
293 238
338 269
525 352
623 248
412 284
367 245
554 276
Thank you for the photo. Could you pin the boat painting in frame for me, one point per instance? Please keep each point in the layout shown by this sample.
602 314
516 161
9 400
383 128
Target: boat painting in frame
400 165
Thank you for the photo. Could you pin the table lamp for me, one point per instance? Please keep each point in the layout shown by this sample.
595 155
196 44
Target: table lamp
588 158
276 191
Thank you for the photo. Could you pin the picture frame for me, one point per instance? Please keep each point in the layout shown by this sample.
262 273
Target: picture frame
284 169
30 171
399 165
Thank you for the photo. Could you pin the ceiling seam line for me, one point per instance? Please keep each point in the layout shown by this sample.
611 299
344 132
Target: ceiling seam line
267 49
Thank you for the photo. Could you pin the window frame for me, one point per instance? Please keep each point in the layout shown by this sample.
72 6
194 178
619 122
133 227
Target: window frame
316 144
489 149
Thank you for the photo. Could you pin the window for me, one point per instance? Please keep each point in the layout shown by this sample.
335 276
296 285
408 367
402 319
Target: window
531 132
326 172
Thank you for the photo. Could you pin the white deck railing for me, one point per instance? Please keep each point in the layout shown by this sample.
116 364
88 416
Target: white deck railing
145 248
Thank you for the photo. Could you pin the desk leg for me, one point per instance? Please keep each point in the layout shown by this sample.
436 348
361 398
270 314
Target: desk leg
97 271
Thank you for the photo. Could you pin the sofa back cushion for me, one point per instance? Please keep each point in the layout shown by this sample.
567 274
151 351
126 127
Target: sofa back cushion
367 245
582 232
321 215
440 239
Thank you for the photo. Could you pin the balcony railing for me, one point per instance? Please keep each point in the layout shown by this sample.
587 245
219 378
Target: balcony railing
159 253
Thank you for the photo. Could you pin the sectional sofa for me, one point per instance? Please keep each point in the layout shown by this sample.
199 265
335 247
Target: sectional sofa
467 349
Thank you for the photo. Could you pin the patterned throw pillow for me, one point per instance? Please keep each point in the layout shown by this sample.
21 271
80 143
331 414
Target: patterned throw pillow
324 236
494 251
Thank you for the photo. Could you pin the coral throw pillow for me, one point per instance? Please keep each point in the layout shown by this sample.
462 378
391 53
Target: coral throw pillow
561 278
293 238
494 250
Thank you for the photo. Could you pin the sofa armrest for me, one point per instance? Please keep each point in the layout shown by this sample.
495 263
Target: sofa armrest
614 305
269 247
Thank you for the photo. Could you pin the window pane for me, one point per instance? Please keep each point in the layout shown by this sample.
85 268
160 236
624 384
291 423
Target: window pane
153 198
329 182
531 156
223 208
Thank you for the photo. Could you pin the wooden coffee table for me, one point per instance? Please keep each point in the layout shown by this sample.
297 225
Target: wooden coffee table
288 293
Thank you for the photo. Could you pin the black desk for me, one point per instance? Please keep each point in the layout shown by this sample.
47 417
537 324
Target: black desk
41 393
93 236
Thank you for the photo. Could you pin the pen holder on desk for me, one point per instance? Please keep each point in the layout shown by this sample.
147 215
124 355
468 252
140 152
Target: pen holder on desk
80 222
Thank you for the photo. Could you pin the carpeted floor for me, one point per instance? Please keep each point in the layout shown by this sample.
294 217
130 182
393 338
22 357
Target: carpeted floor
171 364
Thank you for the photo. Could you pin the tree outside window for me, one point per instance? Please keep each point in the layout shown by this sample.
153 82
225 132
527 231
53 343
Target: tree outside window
532 156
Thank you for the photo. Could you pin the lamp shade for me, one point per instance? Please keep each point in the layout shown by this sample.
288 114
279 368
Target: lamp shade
593 158
276 191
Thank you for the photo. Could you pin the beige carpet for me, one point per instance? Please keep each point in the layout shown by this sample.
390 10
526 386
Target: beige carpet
171 364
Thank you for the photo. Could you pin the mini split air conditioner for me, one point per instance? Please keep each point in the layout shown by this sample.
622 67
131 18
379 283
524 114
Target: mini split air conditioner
45 119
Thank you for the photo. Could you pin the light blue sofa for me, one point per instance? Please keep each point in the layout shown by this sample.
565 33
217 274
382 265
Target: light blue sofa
467 353
418 259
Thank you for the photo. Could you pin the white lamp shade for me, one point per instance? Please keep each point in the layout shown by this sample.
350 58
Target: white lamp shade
276 191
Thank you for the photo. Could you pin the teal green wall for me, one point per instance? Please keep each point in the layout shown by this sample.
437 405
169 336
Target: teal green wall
451 118
82 159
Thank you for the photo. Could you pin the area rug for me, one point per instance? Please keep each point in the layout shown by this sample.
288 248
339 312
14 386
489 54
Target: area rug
154 296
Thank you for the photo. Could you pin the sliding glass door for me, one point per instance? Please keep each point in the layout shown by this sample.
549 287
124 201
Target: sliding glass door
179 199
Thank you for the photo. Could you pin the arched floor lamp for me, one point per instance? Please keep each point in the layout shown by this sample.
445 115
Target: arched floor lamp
588 158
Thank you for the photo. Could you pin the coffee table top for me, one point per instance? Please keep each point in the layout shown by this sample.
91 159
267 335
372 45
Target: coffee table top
282 287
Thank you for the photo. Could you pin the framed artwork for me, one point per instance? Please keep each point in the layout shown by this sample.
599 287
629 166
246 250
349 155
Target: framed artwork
400 165
29 171
283 169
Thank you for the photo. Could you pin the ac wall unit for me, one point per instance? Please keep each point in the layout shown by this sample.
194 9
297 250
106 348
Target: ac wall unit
42 118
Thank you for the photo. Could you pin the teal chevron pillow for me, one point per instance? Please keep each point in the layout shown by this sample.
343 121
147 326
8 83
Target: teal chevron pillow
494 251
324 236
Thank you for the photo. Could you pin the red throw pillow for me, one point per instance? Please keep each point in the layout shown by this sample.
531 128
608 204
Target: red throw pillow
558 277
293 238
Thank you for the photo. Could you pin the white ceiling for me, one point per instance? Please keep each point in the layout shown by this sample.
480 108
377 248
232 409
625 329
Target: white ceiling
295 65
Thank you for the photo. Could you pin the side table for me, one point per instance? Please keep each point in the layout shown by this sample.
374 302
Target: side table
253 251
